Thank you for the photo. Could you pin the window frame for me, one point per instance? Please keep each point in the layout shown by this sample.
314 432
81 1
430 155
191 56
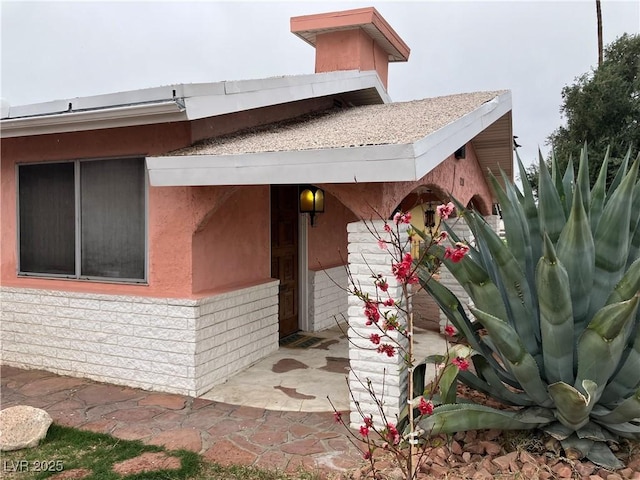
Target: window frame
77 276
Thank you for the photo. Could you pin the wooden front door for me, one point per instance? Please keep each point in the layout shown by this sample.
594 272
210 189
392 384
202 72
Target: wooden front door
284 254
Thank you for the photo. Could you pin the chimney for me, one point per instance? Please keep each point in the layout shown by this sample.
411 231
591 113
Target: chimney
357 39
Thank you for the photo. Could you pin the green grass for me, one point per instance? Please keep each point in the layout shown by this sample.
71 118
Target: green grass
66 448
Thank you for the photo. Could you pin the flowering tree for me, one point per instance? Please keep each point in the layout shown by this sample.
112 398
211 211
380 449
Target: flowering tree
391 322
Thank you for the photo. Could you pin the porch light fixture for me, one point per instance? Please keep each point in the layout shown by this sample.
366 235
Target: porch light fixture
311 201
430 217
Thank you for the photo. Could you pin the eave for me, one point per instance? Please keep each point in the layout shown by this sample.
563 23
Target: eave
186 102
369 163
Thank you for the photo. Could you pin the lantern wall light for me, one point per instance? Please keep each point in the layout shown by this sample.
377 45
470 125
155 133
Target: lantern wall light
311 201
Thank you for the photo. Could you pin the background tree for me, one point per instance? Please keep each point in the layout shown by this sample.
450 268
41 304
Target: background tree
602 108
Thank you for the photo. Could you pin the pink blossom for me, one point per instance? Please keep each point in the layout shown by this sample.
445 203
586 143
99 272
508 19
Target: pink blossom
403 270
371 312
383 285
382 244
375 338
425 407
364 431
389 302
388 349
444 211
450 330
366 455
368 421
400 217
456 254
392 434
387 228
461 363
337 417
442 237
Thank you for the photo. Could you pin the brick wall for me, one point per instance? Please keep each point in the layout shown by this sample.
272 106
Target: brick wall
327 297
152 343
234 330
387 378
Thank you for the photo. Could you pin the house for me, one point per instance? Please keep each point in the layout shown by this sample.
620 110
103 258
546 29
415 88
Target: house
153 238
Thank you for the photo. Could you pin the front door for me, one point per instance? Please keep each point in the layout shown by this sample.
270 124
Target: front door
284 254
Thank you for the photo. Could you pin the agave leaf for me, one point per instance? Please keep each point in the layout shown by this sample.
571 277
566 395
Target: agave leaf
550 208
568 185
612 249
447 383
634 247
556 175
530 213
556 316
576 447
451 307
598 193
460 417
628 286
512 219
627 378
484 292
620 174
487 381
595 432
630 430
572 407
628 410
558 430
576 251
582 182
601 455
515 289
515 355
601 344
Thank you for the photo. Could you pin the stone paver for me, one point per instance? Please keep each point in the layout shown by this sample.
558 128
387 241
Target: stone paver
225 433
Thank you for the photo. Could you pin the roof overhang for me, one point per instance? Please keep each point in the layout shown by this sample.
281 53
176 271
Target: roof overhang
370 163
186 102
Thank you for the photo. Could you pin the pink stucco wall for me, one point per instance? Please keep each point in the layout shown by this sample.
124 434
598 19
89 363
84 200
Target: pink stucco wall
327 240
171 221
350 50
232 247
371 200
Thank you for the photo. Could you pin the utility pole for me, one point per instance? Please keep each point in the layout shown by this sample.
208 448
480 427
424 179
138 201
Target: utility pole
599 17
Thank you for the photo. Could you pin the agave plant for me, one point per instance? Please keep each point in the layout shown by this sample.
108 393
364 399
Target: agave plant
556 324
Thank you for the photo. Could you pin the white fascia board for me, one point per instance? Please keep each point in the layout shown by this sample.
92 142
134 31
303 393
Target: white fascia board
436 148
378 163
250 94
167 111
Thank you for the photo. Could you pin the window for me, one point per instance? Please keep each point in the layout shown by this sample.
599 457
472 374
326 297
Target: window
83 219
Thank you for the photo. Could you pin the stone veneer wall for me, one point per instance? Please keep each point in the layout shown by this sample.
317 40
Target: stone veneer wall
234 330
327 297
158 344
387 375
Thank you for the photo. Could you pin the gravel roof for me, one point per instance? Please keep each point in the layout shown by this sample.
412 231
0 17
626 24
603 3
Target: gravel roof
384 124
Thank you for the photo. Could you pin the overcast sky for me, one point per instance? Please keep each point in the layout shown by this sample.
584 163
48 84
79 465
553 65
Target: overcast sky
59 50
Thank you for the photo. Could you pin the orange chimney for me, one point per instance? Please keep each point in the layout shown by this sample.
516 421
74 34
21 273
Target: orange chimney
357 39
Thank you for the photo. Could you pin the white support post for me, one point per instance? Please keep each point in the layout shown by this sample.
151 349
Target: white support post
385 374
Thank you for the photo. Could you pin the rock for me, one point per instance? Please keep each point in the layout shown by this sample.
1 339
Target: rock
562 470
492 448
22 427
482 474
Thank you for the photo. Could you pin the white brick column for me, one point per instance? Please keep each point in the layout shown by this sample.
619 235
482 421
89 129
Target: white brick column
385 373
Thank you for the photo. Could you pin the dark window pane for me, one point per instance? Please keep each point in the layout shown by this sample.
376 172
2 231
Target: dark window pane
47 213
112 218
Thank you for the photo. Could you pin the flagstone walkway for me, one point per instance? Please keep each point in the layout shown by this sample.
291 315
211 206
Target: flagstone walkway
221 432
